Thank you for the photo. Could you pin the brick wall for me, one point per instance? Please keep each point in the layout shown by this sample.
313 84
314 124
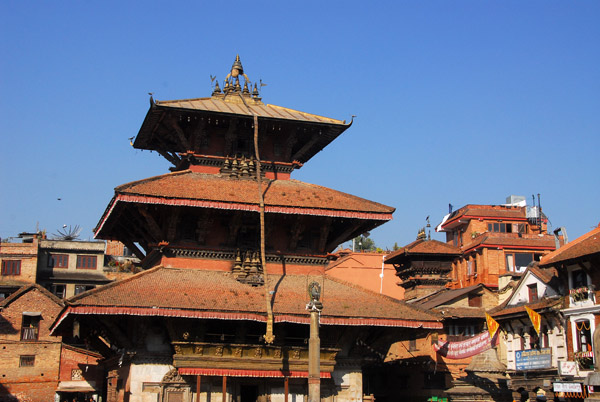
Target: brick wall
39 382
27 254
79 359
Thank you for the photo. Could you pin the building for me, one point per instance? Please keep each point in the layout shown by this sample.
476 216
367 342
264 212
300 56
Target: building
65 267
495 241
532 355
423 266
365 269
19 262
231 245
30 358
578 266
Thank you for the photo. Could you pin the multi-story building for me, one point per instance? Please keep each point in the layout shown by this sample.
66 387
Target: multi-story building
578 265
35 365
19 261
65 267
495 240
532 344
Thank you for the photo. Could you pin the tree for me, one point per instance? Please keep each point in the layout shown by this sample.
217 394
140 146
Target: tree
364 243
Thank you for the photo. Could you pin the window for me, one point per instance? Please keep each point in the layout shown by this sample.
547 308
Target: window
517 262
533 292
30 326
86 262
11 267
26 360
499 227
457 333
584 339
579 279
534 339
58 261
58 290
82 288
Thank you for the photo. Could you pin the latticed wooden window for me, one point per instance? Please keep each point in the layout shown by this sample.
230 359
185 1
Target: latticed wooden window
26 361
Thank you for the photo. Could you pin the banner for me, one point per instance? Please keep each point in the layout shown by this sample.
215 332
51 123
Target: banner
467 348
535 318
492 325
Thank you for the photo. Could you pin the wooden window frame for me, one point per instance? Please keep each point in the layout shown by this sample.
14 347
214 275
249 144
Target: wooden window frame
11 267
58 261
26 360
85 262
30 327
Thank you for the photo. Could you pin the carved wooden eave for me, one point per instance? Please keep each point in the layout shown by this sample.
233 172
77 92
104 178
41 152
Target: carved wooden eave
248 356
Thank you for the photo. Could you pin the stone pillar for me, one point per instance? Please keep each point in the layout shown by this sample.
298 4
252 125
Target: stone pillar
314 357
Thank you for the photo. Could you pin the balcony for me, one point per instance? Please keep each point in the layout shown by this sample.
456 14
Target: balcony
581 296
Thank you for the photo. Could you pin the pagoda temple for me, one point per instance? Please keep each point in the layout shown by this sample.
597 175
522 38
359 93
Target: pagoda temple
229 243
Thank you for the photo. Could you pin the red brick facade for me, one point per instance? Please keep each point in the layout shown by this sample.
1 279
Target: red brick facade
29 368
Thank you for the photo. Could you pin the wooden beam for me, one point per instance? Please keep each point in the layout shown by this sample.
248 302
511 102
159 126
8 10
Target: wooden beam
155 229
173 125
342 236
324 234
138 253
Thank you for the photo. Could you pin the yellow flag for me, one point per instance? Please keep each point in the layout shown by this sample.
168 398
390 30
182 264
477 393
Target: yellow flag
535 318
492 325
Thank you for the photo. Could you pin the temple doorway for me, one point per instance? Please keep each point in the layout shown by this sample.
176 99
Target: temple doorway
248 393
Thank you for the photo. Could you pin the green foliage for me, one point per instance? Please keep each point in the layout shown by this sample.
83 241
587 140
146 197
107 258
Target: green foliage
364 243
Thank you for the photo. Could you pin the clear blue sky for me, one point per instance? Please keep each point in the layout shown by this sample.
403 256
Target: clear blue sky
456 101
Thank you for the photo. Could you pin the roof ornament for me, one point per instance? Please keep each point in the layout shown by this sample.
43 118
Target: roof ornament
233 85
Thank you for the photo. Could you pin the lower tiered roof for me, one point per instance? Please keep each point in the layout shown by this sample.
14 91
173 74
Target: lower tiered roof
191 293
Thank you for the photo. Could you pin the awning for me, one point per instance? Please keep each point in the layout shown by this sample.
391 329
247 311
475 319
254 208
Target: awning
247 373
77 386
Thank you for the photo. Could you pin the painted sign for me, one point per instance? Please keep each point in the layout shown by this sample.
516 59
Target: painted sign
567 387
467 348
533 359
567 368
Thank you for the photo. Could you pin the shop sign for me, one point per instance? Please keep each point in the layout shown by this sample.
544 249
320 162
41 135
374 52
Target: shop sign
533 359
567 387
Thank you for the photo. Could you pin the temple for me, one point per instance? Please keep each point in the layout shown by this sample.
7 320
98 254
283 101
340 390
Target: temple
230 243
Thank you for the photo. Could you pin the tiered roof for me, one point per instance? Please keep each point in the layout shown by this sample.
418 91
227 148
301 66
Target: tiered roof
218 295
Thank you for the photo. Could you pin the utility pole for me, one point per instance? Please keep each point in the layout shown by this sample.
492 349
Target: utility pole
314 343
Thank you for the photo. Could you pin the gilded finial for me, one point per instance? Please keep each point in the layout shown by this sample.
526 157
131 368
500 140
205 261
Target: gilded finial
217 89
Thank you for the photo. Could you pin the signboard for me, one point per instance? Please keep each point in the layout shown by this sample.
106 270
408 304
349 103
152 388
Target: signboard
533 359
466 348
567 387
567 368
